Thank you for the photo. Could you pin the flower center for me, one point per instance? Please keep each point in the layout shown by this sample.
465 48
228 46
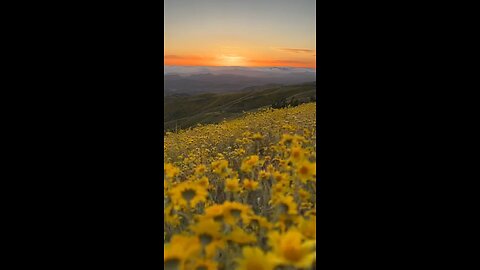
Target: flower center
304 170
205 239
235 212
172 264
283 208
188 194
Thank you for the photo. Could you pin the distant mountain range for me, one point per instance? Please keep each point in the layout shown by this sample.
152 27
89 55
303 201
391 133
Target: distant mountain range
197 79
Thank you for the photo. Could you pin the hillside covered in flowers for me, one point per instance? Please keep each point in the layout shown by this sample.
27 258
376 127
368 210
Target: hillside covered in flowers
242 194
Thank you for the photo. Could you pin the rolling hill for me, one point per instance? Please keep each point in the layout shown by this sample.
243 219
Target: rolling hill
183 111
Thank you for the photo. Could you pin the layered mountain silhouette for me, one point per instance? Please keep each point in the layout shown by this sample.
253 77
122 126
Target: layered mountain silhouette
194 80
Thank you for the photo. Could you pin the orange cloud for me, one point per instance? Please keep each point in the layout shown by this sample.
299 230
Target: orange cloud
296 50
289 63
182 57
187 60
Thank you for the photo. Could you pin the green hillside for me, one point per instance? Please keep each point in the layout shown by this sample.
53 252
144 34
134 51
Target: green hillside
183 111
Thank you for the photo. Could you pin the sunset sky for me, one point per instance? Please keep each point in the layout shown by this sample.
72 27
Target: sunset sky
240 33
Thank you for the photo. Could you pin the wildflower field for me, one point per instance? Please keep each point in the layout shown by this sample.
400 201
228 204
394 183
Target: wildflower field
242 194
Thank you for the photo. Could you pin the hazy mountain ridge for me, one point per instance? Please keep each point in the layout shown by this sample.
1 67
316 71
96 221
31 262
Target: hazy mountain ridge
193 79
247 71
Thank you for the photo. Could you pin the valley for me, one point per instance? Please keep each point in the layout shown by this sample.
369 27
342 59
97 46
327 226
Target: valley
186 110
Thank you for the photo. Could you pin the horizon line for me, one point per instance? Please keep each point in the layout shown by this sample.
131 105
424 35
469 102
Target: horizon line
238 66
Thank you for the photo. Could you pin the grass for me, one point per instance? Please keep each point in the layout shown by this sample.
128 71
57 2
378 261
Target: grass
187 111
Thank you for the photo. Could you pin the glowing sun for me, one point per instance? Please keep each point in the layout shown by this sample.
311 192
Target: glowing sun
232 60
